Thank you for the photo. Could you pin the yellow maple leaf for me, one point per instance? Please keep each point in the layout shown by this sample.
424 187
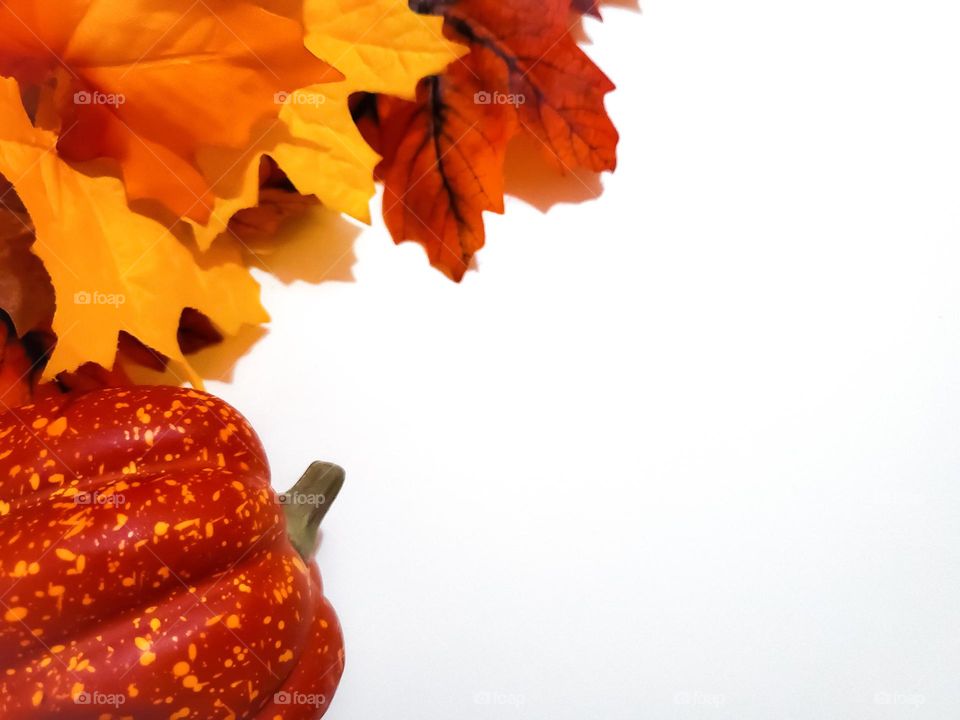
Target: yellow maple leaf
379 46
151 83
113 270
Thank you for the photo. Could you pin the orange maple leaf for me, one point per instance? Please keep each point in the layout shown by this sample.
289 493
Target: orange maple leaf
151 83
443 155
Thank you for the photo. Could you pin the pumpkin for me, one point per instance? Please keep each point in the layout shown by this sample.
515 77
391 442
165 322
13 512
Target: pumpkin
148 570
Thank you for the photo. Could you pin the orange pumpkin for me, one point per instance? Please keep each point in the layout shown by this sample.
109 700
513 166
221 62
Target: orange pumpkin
148 570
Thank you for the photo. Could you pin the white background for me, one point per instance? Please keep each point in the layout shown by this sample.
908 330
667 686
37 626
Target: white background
688 450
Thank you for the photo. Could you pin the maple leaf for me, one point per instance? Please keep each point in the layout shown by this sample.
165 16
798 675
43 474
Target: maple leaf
128 273
587 7
152 83
443 154
379 46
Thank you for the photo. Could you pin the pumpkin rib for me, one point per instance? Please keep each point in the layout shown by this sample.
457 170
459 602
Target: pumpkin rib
164 655
316 673
186 558
177 587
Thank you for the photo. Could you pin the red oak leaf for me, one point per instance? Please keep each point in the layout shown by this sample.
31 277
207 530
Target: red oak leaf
443 154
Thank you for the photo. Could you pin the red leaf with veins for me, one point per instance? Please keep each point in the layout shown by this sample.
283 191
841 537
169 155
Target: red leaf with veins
443 154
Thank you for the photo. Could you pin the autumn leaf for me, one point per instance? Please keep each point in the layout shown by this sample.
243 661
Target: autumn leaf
443 154
21 369
380 46
26 294
16 370
153 83
587 7
127 273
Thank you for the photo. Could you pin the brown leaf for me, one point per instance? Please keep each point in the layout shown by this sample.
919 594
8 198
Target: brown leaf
26 293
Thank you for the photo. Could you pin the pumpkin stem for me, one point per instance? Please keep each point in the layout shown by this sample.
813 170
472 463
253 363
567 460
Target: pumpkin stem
307 503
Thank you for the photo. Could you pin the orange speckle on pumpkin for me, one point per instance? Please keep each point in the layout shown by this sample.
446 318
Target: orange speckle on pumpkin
37 698
233 622
181 669
15 614
56 428
161 528
40 423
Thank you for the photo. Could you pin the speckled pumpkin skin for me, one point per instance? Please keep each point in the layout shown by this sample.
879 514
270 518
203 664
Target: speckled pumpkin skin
145 569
